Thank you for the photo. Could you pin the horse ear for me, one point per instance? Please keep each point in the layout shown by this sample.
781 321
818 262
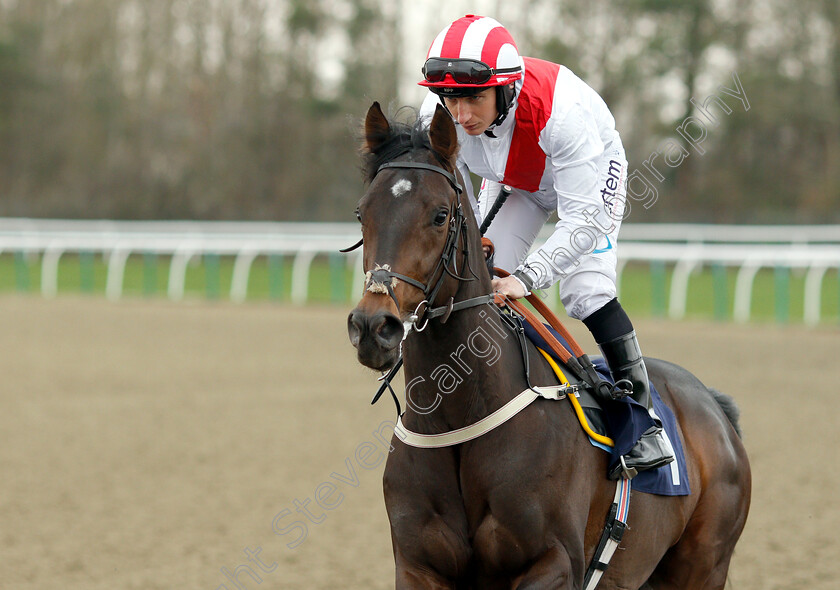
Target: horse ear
442 135
377 128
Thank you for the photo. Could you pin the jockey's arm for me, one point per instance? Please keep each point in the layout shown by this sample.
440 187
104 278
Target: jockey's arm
575 152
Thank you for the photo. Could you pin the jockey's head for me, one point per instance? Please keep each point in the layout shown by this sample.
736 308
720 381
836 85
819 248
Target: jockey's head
471 58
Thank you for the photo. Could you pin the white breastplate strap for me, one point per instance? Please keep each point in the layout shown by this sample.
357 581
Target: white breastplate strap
483 426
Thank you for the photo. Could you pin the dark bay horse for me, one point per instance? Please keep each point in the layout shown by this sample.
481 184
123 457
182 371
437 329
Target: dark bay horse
522 506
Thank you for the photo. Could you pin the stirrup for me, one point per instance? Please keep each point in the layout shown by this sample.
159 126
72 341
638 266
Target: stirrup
627 472
659 457
623 471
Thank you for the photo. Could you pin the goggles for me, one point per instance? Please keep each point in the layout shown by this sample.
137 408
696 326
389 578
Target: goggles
463 71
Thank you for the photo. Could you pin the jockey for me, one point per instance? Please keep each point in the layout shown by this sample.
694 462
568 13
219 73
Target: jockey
534 127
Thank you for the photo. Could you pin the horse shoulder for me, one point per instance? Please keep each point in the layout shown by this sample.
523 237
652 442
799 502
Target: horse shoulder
517 518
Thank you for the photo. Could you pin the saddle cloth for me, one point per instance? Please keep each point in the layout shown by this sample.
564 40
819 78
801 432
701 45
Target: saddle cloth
625 421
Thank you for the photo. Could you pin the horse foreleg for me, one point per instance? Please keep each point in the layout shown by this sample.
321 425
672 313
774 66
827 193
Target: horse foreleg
411 575
415 579
552 570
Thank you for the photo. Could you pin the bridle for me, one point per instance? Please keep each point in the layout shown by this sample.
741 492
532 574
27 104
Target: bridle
419 320
581 367
447 263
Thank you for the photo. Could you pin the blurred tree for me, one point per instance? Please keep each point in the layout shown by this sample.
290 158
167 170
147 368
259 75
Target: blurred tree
15 73
778 162
683 31
249 109
370 73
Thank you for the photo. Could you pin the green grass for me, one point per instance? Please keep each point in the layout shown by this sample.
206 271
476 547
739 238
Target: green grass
777 296
207 277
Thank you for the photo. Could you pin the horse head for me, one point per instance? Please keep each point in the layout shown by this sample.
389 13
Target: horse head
412 222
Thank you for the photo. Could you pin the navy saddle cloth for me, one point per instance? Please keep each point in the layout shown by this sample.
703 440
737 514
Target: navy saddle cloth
626 420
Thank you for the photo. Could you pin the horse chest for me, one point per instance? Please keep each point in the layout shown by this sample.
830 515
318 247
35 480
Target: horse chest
439 531
509 537
511 497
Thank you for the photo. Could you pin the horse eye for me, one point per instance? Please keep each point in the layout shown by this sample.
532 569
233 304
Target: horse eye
358 215
440 218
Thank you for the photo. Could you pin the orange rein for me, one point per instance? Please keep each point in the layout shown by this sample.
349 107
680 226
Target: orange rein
552 320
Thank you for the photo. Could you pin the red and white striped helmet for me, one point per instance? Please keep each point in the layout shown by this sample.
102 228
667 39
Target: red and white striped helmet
472 52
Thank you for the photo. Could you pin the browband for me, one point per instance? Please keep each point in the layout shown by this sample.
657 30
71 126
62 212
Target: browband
449 176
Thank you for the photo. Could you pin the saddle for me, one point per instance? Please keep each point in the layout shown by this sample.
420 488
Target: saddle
613 422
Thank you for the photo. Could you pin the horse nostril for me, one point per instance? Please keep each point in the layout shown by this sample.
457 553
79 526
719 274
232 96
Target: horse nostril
388 330
355 327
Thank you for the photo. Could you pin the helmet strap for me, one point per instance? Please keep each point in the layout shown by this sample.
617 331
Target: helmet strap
504 100
443 102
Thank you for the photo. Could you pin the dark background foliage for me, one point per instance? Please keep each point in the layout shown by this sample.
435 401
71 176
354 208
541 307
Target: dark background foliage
249 109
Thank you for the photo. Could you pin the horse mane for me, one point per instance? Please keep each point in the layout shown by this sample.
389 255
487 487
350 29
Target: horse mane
403 137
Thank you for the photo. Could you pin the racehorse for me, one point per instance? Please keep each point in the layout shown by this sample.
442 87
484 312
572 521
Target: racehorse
523 505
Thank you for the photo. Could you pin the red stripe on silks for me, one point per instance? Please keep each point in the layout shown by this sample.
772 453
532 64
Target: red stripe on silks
455 37
526 159
492 44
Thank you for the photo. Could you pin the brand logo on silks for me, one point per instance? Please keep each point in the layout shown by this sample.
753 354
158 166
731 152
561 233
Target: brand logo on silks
608 247
613 183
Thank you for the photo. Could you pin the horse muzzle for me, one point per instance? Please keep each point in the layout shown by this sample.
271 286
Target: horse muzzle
376 336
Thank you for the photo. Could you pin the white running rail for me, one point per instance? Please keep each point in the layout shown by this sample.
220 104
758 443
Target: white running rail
814 249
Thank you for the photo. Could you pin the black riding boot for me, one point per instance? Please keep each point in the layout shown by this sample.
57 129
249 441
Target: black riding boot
624 358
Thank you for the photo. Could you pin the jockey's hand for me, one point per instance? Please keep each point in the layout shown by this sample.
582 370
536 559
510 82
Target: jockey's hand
487 247
509 286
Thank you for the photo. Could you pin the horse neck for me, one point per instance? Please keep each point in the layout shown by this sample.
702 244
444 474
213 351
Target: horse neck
462 370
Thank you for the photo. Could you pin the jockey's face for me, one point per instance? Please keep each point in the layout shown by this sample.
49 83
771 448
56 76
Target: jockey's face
474 113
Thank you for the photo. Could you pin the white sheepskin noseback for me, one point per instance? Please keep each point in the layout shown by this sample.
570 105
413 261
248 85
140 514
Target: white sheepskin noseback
376 286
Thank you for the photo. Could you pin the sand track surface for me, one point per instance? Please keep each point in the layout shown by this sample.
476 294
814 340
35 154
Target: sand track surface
154 445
